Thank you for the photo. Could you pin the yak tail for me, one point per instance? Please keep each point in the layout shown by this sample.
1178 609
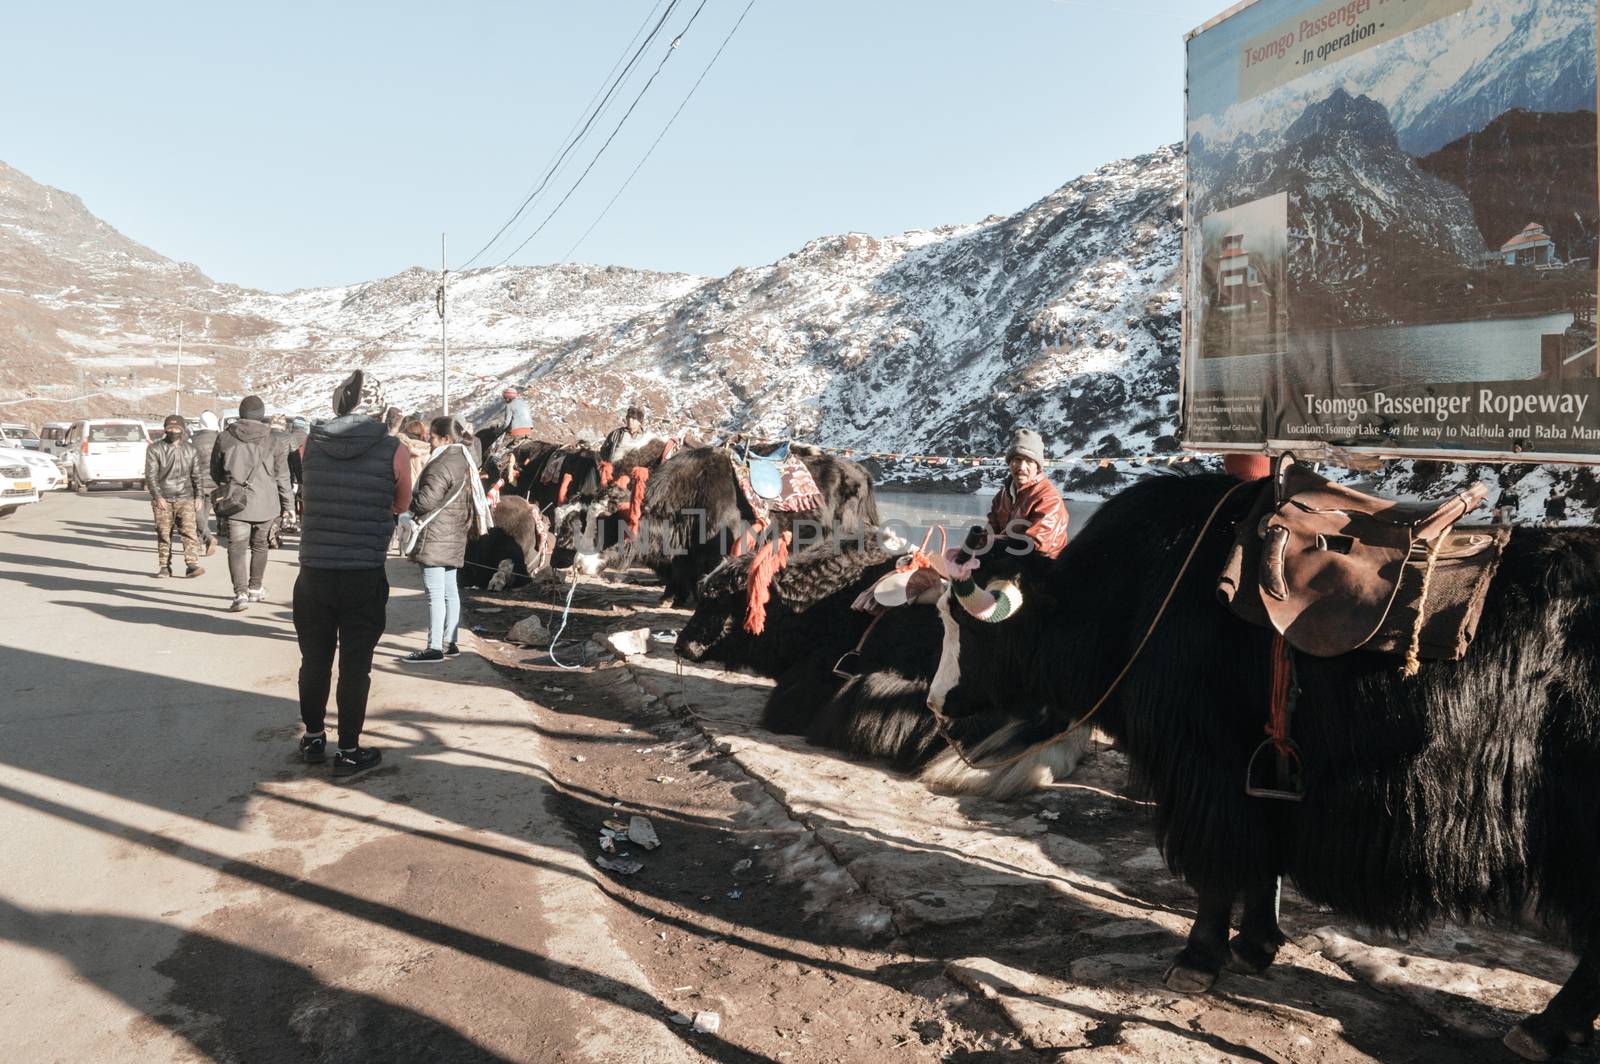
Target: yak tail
948 772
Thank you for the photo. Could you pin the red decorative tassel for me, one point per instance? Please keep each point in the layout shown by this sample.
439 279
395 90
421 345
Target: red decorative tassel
769 560
566 482
605 474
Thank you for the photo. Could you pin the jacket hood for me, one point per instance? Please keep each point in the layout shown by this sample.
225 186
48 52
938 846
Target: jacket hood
348 437
247 431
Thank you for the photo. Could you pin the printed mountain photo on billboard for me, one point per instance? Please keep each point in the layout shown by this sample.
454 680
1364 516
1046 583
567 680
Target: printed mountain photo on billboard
1443 211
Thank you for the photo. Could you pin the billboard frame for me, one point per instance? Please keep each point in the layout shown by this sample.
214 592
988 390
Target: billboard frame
1319 450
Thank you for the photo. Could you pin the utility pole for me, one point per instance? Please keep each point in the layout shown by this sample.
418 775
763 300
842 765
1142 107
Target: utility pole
444 338
177 392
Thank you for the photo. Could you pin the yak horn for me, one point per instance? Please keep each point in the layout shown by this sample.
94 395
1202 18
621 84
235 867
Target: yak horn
993 602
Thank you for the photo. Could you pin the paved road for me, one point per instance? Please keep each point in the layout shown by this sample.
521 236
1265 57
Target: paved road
177 886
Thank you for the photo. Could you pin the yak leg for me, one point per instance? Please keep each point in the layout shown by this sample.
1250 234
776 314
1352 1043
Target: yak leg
1570 1016
1197 966
1259 937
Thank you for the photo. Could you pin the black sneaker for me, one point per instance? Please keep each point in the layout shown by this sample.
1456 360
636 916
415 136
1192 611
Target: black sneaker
418 657
315 751
451 650
349 762
192 572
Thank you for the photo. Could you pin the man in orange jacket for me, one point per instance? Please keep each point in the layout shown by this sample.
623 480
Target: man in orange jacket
1028 507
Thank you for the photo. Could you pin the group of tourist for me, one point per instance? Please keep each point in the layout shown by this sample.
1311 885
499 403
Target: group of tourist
370 478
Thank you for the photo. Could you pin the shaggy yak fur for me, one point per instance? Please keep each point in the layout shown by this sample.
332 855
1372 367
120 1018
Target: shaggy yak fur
693 513
881 711
499 560
1469 790
591 519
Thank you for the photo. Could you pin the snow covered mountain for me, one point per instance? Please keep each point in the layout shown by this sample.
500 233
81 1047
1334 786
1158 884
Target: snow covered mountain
1065 315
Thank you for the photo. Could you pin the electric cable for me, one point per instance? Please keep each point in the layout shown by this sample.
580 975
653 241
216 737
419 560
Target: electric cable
623 121
651 150
572 143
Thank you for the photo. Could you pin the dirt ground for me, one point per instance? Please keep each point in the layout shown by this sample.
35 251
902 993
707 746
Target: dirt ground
828 909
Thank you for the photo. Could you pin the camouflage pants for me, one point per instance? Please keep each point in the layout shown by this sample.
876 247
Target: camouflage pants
181 515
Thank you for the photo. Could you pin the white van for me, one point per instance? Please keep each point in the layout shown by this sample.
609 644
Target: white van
106 450
53 437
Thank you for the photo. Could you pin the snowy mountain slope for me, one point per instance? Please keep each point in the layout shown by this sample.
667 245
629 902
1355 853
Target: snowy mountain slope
498 318
1064 315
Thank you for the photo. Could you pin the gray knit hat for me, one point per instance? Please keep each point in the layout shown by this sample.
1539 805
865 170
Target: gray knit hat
1028 444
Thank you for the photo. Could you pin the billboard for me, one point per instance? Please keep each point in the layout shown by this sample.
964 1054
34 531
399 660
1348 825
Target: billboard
1392 223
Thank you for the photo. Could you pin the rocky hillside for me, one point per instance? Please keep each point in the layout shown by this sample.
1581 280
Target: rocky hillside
1065 315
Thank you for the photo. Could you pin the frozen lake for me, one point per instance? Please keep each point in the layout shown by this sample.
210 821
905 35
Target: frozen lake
914 512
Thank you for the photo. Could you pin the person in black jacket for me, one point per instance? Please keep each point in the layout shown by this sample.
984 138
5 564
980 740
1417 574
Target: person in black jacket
441 512
247 455
172 475
357 478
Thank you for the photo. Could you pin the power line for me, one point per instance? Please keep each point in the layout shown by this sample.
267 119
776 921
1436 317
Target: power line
593 115
653 75
649 151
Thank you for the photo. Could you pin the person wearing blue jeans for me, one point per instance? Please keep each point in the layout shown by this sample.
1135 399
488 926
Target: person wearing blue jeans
435 536
444 608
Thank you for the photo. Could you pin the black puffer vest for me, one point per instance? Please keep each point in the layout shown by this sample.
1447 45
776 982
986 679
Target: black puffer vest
348 493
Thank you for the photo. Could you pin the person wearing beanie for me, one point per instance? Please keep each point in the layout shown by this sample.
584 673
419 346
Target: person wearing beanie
1028 513
251 472
356 478
518 418
172 475
204 442
629 435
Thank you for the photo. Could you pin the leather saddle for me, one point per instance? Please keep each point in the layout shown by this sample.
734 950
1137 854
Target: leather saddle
766 463
1335 570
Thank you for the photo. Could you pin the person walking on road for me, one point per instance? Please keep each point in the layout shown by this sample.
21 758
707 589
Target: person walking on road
252 476
172 475
357 480
445 504
204 442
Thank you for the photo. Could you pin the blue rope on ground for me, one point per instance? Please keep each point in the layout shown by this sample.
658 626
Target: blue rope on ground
555 640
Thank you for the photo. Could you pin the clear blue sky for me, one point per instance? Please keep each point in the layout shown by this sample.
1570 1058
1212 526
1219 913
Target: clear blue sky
305 144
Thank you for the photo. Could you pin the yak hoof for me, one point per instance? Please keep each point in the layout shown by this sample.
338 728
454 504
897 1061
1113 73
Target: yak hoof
1581 1037
1249 957
1525 1044
1181 980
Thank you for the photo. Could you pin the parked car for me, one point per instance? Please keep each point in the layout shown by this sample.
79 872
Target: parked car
17 488
16 435
106 450
48 475
53 437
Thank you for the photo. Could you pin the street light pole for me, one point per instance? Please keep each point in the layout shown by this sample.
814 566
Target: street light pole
177 394
444 338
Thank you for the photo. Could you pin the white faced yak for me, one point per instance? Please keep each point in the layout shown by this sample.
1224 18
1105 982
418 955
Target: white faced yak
692 514
881 710
595 517
1469 790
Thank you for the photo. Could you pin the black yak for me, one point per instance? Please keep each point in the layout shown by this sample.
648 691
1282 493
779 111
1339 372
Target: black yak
1471 789
881 710
692 513
511 552
596 516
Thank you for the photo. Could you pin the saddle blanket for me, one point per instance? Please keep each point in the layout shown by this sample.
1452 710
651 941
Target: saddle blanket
785 486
